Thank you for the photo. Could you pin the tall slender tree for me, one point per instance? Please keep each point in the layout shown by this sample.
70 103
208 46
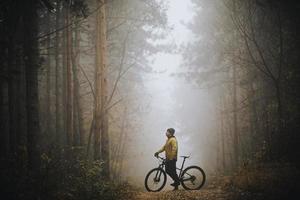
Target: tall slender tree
101 117
31 65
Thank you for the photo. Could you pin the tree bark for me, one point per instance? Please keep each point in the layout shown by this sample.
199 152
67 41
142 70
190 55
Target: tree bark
47 113
58 79
12 97
31 66
101 121
235 125
223 132
78 132
69 85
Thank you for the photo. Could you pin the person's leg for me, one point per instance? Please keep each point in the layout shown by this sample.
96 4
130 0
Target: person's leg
174 173
171 171
168 168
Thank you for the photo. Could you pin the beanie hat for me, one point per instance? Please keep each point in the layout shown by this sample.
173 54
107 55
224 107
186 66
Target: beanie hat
171 130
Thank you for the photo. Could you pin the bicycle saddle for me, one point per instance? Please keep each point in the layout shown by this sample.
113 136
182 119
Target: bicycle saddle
185 156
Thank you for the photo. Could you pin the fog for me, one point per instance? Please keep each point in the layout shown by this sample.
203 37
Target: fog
90 87
173 102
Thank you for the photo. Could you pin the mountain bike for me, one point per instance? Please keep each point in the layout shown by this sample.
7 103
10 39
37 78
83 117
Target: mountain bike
191 178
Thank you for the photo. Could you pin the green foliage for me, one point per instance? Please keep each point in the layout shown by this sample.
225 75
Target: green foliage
61 176
271 179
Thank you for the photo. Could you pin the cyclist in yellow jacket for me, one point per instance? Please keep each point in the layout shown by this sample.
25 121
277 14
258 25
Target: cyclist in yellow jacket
171 150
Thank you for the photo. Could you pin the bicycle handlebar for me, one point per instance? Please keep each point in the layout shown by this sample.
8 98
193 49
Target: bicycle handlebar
158 157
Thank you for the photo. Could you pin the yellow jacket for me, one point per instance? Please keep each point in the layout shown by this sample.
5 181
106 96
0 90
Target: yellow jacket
170 148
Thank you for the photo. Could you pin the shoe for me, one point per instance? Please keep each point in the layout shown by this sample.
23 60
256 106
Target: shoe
175 184
175 188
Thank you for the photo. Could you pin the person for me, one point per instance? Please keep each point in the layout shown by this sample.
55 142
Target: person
171 150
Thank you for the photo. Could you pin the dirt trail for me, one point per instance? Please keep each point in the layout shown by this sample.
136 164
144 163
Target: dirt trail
212 191
209 194
215 189
220 188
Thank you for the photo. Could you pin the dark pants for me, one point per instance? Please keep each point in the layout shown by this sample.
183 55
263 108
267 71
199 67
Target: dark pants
171 170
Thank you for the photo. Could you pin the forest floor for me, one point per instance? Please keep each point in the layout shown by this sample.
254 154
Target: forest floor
212 191
204 194
229 188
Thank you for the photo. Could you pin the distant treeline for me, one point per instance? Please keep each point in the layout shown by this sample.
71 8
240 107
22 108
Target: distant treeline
247 52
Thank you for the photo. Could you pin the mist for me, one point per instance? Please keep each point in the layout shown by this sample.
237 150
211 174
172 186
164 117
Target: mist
92 90
173 102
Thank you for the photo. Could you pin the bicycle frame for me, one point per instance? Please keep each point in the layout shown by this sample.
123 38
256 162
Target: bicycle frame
191 177
182 165
161 165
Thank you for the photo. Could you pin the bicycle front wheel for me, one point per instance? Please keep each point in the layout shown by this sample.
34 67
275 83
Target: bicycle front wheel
155 180
193 178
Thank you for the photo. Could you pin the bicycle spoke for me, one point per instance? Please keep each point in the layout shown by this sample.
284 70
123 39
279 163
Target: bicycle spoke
155 180
193 178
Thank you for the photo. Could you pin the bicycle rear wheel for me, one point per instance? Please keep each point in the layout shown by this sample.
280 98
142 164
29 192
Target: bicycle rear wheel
155 180
193 178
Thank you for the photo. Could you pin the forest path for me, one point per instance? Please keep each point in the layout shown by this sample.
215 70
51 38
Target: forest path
209 192
216 188
203 194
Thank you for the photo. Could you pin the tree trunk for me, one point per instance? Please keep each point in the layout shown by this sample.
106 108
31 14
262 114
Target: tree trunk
69 85
64 77
31 66
4 118
58 79
120 150
235 126
280 124
255 133
223 132
101 123
12 97
21 108
78 133
47 113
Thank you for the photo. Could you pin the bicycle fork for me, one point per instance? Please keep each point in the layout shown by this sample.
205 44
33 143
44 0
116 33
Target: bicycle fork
158 174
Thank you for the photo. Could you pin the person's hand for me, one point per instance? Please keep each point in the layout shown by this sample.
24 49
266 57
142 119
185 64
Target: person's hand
156 154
